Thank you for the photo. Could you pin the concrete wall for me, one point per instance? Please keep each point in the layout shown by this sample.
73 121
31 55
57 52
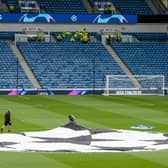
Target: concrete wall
91 27
165 2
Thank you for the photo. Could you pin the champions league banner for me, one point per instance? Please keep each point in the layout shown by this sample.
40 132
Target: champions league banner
68 18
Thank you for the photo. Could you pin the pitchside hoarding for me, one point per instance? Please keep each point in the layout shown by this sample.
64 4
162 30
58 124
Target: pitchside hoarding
68 18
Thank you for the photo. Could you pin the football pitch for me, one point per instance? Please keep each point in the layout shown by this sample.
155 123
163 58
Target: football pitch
39 113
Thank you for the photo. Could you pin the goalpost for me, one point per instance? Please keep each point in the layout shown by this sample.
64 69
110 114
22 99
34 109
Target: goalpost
134 85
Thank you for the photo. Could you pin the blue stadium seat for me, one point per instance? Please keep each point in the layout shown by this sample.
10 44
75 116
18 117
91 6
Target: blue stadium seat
144 58
7 35
151 37
11 73
129 6
70 65
64 7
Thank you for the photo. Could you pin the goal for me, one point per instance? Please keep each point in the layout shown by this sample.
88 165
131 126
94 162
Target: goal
134 85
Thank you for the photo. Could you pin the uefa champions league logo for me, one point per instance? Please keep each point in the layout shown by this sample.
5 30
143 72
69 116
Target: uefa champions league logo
100 19
29 18
1 17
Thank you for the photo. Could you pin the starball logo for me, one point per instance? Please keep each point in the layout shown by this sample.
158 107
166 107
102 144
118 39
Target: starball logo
101 19
74 18
35 18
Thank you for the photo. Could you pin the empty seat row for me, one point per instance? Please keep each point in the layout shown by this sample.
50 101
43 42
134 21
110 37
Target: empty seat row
129 6
70 65
144 58
12 74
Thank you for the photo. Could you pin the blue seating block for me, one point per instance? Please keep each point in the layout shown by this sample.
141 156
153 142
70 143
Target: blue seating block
152 37
70 65
129 6
7 35
64 7
11 73
144 58
14 3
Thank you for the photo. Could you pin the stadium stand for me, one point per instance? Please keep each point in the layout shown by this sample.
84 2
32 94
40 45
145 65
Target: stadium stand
77 6
64 7
144 58
152 37
69 65
77 65
129 6
11 72
132 7
7 35
14 3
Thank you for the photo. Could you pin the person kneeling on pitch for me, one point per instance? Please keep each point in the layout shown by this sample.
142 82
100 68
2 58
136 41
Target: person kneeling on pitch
7 121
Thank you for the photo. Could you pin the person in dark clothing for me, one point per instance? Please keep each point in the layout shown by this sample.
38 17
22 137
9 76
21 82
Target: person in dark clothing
7 121
71 119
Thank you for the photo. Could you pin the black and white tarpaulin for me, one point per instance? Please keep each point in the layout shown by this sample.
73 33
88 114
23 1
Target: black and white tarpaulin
73 138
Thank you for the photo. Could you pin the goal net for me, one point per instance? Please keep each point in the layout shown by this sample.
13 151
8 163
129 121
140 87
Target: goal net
134 85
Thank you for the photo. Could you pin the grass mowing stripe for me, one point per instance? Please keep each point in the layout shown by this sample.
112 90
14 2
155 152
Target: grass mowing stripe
87 112
29 160
103 108
159 157
100 160
134 111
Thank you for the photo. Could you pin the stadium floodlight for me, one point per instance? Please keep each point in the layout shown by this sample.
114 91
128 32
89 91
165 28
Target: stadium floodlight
134 85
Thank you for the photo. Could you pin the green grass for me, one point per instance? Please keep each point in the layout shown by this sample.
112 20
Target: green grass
33 113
